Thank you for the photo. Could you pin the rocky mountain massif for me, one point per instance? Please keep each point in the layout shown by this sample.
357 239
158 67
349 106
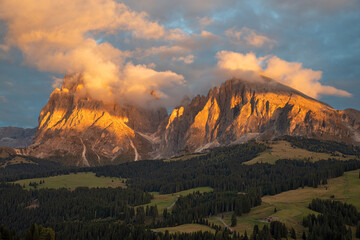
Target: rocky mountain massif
78 130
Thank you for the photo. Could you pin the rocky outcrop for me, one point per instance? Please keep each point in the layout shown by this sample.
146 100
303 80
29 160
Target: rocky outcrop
77 130
16 137
240 110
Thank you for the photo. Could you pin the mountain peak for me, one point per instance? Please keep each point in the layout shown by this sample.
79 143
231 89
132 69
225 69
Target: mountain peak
85 131
240 110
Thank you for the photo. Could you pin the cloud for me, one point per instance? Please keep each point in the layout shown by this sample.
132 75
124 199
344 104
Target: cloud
142 83
164 51
249 37
57 82
60 37
205 21
292 74
236 61
303 79
3 99
188 59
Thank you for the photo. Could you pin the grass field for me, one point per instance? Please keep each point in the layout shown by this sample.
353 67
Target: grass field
187 228
16 160
163 201
284 150
292 205
72 181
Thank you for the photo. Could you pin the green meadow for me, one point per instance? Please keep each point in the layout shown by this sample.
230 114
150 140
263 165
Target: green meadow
284 150
291 206
74 180
187 228
163 201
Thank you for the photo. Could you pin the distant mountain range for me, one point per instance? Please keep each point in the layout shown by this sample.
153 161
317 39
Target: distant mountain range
16 137
78 130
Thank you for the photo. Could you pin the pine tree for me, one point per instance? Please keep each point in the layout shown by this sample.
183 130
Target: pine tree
357 234
246 236
233 220
292 233
304 236
349 234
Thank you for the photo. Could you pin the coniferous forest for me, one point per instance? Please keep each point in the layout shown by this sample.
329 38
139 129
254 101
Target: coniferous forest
121 213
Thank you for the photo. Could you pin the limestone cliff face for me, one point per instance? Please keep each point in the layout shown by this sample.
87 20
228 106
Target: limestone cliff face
77 130
239 110
84 131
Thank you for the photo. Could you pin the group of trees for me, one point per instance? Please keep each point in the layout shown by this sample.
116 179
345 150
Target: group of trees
315 145
276 231
196 206
332 223
17 208
227 175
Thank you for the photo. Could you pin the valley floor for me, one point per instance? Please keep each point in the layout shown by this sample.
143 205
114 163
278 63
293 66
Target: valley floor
291 206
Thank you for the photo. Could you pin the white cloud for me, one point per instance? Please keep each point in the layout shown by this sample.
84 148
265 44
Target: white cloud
292 74
187 59
58 36
249 37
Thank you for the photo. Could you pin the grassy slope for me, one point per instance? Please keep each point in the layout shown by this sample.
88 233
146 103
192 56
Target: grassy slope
292 205
187 228
163 201
16 160
72 181
284 150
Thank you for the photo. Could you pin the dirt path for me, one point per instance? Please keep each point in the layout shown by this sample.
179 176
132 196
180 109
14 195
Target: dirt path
135 151
171 206
225 224
85 161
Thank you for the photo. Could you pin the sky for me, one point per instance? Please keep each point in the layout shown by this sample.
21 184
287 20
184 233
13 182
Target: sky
154 52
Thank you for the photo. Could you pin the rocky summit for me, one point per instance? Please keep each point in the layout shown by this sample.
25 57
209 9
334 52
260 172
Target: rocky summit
77 130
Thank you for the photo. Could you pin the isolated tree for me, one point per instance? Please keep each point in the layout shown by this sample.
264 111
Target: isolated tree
293 233
233 220
304 235
357 233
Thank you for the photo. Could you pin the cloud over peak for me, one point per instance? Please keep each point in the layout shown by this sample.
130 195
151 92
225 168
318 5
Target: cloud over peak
292 74
60 37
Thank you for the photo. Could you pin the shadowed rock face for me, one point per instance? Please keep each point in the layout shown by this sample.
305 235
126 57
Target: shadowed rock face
90 132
